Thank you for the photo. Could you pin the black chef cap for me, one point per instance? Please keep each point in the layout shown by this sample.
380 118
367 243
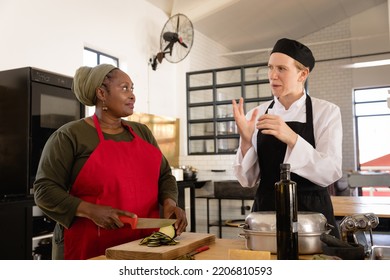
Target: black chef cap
296 50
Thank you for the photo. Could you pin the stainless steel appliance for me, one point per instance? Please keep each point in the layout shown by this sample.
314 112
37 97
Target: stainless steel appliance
357 229
33 104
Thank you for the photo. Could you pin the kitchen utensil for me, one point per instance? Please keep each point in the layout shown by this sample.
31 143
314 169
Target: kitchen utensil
354 252
187 242
190 256
333 241
197 251
357 229
146 222
189 172
259 231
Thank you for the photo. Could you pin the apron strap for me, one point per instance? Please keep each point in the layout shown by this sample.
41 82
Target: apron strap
100 132
98 129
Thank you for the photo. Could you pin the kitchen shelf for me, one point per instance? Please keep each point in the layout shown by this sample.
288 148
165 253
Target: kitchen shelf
210 124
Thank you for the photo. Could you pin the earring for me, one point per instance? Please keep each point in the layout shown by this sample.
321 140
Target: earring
104 107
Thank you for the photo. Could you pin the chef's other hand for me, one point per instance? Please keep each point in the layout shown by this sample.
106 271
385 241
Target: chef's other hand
171 211
103 216
274 125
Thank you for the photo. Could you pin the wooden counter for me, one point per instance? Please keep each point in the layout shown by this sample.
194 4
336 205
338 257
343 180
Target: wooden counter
220 250
349 205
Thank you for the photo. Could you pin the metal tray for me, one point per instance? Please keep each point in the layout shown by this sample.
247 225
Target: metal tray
380 252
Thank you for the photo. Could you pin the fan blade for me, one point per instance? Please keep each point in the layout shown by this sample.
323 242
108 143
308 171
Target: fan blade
183 44
177 27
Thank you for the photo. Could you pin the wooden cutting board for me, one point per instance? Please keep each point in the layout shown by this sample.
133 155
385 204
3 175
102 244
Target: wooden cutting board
188 242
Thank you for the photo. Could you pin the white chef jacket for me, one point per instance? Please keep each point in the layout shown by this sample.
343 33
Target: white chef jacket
322 165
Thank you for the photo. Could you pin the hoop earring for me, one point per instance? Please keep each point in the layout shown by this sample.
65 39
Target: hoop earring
104 107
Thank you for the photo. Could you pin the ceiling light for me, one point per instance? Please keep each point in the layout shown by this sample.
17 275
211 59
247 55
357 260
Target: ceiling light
369 64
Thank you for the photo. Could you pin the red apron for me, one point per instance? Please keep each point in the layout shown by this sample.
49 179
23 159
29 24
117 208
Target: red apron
122 175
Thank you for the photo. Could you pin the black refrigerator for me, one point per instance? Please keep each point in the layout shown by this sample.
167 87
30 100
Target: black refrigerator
33 104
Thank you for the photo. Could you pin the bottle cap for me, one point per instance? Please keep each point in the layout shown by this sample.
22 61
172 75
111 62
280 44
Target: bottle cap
285 166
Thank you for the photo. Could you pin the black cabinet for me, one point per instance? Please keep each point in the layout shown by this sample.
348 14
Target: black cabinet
210 124
16 230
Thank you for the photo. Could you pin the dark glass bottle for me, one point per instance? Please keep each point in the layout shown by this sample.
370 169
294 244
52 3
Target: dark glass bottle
286 215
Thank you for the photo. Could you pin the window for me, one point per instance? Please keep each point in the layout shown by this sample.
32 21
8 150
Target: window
210 123
92 58
372 126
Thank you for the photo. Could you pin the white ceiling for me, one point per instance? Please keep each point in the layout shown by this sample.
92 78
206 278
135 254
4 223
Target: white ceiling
248 25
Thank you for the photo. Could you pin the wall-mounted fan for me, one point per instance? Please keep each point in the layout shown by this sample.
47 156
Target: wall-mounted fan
176 40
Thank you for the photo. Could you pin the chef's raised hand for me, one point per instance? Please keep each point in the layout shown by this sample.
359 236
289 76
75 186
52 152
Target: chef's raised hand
103 216
172 211
245 127
276 126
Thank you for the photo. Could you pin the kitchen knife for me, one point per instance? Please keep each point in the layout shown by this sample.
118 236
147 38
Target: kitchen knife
146 222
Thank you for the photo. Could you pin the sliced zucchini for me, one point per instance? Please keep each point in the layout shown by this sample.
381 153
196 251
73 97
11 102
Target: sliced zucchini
158 238
168 230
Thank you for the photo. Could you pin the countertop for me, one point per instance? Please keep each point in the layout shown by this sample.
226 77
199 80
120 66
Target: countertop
349 205
220 250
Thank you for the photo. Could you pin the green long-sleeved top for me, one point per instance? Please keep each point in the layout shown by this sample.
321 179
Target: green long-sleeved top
63 156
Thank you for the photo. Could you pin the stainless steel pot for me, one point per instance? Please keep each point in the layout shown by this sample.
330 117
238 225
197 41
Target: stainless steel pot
259 231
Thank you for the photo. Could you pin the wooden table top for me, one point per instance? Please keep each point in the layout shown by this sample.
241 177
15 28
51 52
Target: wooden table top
220 250
349 205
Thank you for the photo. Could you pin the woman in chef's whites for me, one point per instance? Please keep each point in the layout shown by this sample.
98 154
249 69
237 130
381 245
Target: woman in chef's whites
293 128
94 170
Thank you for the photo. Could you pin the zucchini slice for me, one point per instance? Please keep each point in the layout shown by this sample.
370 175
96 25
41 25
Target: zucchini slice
169 230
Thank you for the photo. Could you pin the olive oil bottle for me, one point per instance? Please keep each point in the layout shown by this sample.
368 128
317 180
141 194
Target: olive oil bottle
286 215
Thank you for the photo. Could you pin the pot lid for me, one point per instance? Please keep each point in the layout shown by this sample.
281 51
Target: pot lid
265 221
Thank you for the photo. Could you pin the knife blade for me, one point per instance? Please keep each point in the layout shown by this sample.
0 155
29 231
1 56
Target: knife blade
146 222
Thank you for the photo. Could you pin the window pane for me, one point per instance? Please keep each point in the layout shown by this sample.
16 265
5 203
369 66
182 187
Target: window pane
89 58
376 94
201 129
228 93
228 76
197 146
198 96
204 112
256 73
224 128
224 111
197 80
377 108
373 135
108 60
228 145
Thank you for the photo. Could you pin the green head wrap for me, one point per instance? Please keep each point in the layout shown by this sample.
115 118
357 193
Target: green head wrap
87 79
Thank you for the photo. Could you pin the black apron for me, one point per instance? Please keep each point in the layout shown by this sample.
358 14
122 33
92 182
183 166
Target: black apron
271 152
